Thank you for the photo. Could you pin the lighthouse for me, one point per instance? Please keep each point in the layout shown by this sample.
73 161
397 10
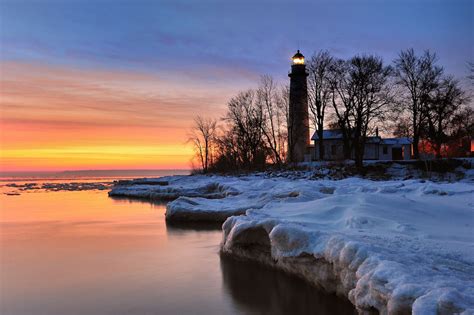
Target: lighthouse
298 120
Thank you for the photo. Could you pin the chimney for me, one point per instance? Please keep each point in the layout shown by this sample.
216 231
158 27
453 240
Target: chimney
376 131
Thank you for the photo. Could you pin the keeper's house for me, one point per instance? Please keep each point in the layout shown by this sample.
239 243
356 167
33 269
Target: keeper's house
376 148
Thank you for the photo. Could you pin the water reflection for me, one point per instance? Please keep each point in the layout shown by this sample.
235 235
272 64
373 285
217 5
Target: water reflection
179 227
84 253
120 199
259 289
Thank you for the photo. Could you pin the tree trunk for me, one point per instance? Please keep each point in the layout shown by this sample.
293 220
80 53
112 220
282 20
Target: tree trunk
347 149
438 150
206 157
358 153
321 144
416 152
346 144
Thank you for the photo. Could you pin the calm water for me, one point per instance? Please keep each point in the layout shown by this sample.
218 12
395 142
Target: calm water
82 252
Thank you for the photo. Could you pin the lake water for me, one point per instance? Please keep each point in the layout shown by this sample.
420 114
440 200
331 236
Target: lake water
81 252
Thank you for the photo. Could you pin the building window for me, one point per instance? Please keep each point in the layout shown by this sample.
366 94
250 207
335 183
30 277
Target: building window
385 149
333 149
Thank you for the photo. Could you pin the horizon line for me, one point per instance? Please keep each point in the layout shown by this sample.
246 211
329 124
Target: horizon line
95 170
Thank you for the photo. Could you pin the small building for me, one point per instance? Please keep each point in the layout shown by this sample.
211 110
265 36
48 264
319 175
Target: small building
376 148
395 149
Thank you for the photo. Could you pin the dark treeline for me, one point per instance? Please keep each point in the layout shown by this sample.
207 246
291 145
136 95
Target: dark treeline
411 97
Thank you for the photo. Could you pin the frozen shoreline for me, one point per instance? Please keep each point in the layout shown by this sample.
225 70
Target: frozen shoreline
395 246
16 189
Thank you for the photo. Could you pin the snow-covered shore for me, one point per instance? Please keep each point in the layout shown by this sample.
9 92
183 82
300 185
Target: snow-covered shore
215 198
394 246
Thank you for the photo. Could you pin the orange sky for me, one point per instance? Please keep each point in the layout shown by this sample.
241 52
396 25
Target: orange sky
59 118
105 85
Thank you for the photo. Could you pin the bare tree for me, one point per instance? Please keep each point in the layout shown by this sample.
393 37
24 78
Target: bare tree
462 124
228 156
461 132
283 104
274 122
419 76
369 78
255 128
342 100
442 108
361 93
402 127
319 92
202 136
246 118
292 132
470 76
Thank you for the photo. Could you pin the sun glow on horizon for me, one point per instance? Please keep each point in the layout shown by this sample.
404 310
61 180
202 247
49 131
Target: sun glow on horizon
97 158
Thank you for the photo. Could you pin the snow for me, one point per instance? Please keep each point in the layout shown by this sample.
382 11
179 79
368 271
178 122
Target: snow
336 134
396 246
18 188
392 245
241 194
328 134
171 187
215 198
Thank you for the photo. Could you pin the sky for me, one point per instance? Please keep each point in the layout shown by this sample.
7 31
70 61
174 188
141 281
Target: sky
116 84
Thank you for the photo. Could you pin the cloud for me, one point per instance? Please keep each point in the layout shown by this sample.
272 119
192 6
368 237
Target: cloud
46 107
33 92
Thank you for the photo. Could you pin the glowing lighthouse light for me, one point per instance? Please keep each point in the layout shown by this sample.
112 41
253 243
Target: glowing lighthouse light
298 58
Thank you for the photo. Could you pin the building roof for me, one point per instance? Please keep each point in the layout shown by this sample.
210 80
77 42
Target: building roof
329 134
399 141
375 139
298 55
335 134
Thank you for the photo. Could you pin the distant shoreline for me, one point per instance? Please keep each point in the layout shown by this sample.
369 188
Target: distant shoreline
75 174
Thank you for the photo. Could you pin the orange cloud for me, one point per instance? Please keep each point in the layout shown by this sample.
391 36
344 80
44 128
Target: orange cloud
55 118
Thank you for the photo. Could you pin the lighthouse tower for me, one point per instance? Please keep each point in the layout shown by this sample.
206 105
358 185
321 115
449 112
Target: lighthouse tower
298 124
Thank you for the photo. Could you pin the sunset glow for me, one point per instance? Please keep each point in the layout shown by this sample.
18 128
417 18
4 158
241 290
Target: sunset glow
56 118
236 157
82 87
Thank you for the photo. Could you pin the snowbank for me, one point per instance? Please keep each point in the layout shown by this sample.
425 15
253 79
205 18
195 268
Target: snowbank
392 246
55 186
250 192
215 198
172 187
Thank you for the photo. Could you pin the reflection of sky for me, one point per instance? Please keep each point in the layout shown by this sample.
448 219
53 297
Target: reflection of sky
167 61
81 252
84 253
